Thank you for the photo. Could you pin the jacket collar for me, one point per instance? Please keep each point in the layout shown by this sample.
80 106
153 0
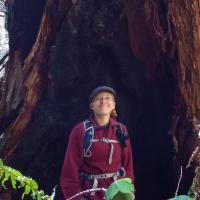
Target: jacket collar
112 123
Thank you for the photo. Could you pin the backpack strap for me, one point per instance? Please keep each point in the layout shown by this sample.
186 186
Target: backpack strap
95 177
85 176
121 135
88 138
105 140
110 141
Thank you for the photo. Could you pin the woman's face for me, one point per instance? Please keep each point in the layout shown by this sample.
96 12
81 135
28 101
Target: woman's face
103 103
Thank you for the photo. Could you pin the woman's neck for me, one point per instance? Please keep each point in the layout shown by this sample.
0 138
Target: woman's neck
102 120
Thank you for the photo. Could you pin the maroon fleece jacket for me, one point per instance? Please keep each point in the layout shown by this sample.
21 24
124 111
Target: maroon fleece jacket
97 163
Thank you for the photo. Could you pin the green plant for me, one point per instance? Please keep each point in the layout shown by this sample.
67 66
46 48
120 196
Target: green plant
194 191
120 189
181 197
17 180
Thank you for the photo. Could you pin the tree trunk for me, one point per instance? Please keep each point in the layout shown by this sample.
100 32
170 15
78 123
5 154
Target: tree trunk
61 50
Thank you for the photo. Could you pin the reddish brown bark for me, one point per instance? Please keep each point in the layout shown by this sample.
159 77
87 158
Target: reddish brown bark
35 72
150 39
166 37
186 19
147 36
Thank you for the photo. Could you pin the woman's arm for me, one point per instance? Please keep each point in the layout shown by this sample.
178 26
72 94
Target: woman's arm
69 180
127 157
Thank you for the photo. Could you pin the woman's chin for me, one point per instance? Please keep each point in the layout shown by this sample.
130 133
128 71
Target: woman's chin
102 114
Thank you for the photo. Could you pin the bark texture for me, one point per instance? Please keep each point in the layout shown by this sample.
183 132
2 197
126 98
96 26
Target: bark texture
61 50
186 19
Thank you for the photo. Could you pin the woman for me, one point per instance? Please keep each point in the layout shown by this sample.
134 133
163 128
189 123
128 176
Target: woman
99 151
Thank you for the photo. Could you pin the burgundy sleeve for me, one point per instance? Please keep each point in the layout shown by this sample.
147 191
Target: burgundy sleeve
69 180
127 158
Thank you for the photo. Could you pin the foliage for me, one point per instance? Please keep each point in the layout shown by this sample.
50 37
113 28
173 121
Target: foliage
194 191
120 189
17 180
181 197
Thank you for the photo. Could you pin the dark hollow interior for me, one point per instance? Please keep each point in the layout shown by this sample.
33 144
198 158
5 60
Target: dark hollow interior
92 49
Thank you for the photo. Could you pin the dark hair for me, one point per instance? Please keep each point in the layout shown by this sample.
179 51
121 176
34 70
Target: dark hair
113 113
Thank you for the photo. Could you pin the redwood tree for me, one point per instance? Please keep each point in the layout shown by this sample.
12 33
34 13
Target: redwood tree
60 50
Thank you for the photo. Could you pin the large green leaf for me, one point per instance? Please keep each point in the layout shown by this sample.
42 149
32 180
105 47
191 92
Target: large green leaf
120 189
181 197
1 163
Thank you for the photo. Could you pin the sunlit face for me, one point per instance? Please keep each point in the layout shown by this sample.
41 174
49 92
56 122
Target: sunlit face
103 103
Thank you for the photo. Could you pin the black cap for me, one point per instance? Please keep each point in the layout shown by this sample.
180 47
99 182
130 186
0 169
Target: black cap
102 89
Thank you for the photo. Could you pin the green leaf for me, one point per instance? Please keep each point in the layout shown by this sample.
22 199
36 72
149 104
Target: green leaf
2 172
120 189
34 194
26 191
6 178
13 181
1 163
39 197
124 196
41 192
33 184
21 182
46 197
181 197
17 173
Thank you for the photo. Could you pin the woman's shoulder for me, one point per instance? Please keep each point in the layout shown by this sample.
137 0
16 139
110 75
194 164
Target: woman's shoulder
77 134
122 125
115 122
78 128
